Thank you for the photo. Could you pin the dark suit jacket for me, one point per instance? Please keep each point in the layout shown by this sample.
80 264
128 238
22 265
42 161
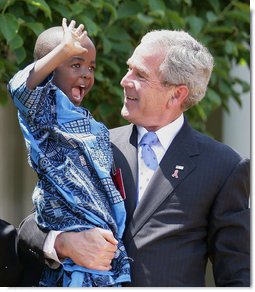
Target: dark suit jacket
10 268
181 221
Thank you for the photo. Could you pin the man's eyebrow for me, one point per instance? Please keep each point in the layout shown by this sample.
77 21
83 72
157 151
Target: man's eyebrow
138 68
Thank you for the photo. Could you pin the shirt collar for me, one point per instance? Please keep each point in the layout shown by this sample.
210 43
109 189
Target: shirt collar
165 134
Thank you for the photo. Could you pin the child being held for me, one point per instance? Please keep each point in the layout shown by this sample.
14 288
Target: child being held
69 150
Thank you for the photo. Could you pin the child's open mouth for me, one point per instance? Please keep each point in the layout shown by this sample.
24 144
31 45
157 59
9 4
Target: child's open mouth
78 94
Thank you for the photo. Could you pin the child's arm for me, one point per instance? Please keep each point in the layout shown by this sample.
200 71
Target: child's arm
70 46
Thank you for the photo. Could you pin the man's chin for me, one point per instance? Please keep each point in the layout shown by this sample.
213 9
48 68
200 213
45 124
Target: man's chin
127 117
124 113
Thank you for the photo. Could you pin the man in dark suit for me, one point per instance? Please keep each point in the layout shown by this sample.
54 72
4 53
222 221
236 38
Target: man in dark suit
189 204
10 267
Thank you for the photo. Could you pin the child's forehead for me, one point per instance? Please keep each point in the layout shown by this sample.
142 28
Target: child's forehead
83 58
87 43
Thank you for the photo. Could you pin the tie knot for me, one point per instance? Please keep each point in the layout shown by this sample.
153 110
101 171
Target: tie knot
150 138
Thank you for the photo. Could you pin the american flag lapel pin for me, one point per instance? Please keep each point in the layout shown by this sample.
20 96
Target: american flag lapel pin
176 171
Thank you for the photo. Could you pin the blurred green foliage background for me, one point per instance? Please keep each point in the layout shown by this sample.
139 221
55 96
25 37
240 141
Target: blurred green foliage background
116 27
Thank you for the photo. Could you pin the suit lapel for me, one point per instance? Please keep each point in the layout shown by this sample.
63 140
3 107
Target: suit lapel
130 152
124 141
162 184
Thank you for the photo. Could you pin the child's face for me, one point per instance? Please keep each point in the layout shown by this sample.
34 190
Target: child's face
75 77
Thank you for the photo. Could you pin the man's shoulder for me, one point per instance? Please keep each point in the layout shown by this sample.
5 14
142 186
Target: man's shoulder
212 147
208 145
121 132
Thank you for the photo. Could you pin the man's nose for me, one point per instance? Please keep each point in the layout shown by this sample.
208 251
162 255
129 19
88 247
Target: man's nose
126 81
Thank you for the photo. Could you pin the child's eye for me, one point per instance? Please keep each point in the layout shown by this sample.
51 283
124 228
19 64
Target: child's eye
75 66
91 69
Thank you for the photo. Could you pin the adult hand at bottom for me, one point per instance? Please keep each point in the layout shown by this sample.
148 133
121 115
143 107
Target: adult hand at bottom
92 249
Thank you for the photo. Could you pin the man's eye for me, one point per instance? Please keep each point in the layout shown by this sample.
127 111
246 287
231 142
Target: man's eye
140 76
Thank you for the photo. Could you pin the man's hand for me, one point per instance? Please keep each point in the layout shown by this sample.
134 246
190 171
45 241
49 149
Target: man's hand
93 249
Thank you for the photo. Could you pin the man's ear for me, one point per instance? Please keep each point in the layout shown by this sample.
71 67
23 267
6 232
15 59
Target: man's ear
178 95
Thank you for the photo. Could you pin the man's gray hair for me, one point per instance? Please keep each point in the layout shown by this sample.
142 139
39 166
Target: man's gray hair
186 62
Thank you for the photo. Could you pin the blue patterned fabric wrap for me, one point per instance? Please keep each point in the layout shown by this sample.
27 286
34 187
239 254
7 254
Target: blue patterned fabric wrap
71 154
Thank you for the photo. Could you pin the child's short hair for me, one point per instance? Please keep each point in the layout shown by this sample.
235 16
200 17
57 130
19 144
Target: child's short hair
47 41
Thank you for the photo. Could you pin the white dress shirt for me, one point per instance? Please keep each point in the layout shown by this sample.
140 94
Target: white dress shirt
165 136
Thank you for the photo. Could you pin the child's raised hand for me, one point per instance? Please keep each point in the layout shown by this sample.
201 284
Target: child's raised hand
73 37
